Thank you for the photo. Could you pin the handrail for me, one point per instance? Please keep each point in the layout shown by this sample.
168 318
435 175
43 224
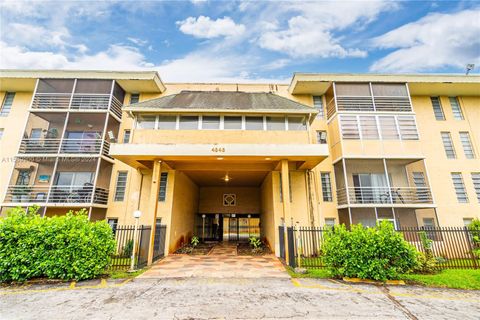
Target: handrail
385 195
69 146
64 194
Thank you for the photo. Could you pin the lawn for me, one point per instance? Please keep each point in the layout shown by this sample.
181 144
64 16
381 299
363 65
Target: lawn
451 278
311 273
122 274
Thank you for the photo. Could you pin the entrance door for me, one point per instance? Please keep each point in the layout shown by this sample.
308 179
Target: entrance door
240 227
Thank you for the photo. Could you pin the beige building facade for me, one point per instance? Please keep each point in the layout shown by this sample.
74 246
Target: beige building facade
229 161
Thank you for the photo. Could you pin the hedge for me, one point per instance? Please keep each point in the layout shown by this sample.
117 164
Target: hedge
61 247
377 253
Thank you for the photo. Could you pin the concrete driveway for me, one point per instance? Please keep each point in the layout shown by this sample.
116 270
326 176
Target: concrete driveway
235 298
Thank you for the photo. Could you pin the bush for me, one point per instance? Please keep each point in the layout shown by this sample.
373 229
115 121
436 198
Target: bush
426 262
474 228
377 253
65 247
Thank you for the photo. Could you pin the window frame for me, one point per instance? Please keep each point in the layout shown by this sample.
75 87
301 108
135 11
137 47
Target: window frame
436 112
127 133
137 95
466 141
457 111
162 190
319 106
459 187
451 154
326 184
321 140
7 102
476 183
119 193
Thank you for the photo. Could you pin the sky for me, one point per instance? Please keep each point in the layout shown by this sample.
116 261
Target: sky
241 41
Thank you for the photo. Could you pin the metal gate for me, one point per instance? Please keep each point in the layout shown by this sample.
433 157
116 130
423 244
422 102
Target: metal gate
159 241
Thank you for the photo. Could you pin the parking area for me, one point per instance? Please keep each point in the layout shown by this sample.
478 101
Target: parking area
235 298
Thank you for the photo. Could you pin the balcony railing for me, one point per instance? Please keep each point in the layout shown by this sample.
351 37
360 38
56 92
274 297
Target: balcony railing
61 101
368 104
385 195
68 146
57 194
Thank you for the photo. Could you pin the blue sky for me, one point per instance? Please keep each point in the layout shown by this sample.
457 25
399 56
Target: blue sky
241 41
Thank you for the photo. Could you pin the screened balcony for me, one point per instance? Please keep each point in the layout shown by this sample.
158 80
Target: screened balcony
59 181
78 95
382 183
368 97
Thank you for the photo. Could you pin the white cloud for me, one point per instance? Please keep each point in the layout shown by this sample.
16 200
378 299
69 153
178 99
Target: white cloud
435 41
35 36
311 32
137 41
204 27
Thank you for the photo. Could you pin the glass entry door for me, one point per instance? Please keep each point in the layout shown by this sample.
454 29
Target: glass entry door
240 227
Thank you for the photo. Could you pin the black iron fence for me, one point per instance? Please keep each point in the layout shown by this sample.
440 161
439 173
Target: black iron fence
124 238
452 247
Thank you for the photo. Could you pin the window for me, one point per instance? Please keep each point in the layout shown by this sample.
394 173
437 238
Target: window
254 123
349 125
23 177
428 223
36 133
448 145
188 122
162 193
232 123
419 180
456 110
467 221
459 187
467 145
7 104
322 137
113 223
318 104
126 136
1 133
211 122
120 186
275 123
437 108
408 128
326 186
371 188
329 222
146 122
368 125
134 98
167 122
296 123
388 128
476 183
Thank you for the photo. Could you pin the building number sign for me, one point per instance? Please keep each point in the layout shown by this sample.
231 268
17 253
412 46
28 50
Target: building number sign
229 199
218 149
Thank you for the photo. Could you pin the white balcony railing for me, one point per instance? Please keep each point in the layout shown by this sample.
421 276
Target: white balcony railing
368 104
57 194
85 102
385 195
68 146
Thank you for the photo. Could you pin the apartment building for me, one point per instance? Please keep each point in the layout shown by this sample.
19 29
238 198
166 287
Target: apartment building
227 161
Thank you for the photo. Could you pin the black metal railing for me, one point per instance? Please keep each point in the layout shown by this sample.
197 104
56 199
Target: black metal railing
124 239
452 247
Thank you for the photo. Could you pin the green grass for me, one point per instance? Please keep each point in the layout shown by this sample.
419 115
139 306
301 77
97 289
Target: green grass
123 274
451 278
311 273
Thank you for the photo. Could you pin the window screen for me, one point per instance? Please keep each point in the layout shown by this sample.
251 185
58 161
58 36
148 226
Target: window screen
467 145
326 186
146 122
437 108
456 109
318 104
188 123
296 123
167 122
459 187
7 104
254 123
120 186
232 122
275 123
448 145
211 122
368 125
162 193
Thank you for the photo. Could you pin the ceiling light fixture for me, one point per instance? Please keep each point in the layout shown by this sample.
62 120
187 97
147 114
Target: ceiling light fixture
226 178
219 158
268 158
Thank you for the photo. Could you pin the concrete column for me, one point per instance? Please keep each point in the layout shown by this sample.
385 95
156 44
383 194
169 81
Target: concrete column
153 205
287 215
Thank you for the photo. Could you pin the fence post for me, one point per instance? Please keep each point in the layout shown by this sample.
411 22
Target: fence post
467 235
298 247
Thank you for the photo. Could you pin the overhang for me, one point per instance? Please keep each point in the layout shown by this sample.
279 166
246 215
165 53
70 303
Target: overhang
306 156
419 84
131 81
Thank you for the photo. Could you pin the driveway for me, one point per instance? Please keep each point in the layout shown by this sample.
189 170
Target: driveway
235 298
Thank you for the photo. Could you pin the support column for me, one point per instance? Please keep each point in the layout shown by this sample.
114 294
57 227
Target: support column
153 205
388 180
285 178
344 165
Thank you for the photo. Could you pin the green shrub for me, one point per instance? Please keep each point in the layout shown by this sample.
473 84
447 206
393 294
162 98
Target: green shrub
128 248
377 253
195 241
426 262
474 228
65 247
255 242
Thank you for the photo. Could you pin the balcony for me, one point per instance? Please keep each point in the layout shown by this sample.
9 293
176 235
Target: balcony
57 195
367 97
384 196
68 146
77 102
